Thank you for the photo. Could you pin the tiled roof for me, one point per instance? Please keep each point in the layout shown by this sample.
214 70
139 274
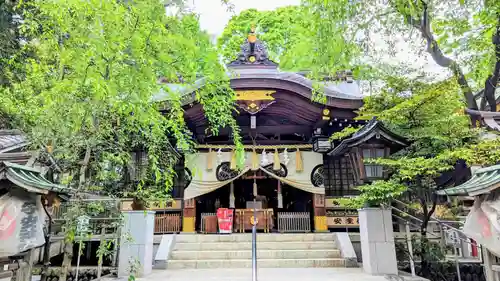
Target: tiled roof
490 119
483 181
29 179
11 139
334 89
374 128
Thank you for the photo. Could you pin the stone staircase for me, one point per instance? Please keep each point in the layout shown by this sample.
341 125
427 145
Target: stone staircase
273 251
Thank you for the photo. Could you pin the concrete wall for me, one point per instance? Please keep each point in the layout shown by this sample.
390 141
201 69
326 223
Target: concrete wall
138 250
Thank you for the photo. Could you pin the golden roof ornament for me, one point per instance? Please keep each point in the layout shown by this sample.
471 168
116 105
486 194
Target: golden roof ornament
253 52
252 37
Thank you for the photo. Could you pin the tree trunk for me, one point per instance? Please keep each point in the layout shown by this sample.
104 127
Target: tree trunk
68 243
423 25
492 81
46 250
68 257
424 242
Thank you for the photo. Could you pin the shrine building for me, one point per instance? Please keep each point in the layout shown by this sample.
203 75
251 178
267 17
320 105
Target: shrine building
291 165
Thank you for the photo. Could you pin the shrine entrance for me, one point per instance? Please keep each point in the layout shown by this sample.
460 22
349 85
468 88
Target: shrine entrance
278 205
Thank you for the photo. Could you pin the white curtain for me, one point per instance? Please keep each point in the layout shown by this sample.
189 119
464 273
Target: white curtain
205 181
305 185
197 188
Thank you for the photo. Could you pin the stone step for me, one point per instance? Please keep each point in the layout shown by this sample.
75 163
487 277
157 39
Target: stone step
227 246
262 254
261 263
261 237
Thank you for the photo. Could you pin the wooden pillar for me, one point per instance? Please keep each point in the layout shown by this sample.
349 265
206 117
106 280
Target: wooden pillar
26 268
319 213
189 215
231 195
280 196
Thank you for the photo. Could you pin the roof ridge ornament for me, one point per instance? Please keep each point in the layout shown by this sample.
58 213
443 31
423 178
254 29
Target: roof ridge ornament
253 53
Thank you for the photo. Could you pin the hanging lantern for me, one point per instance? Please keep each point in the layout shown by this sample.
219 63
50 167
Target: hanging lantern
322 144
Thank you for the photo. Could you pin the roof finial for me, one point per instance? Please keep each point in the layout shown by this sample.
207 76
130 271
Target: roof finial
251 36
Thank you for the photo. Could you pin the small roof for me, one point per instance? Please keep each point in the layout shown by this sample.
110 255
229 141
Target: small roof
11 139
29 179
490 119
484 180
373 128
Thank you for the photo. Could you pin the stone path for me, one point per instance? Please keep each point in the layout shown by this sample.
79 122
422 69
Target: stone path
264 274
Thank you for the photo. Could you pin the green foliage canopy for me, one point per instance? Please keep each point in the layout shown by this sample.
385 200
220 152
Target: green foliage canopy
87 91
292 34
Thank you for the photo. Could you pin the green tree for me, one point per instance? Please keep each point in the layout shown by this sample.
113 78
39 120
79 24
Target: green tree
290 34
431 117
86 92
461 36
280 29
9 42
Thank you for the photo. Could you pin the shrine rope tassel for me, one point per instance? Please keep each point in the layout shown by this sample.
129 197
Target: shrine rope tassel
255 161
233 160
210 159
276 164
299 166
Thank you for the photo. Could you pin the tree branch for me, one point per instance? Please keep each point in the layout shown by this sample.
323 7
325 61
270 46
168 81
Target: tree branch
491 83
424 26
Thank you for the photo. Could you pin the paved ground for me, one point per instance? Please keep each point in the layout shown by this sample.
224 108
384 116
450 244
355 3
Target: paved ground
264 274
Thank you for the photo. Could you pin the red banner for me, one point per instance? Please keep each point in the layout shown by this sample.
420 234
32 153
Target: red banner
225 219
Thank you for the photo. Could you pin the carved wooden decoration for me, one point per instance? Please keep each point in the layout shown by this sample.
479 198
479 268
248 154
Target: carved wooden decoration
254 95
253 101
189 204
319 200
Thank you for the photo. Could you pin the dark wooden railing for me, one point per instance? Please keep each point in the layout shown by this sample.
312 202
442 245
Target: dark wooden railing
209 223
167 223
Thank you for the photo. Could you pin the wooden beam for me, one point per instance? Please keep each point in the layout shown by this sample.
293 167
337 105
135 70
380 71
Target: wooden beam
281 129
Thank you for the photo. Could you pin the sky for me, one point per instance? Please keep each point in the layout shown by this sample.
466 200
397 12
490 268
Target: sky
214 16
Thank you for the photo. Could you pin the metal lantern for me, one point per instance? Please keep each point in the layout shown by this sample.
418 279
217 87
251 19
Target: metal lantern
322 144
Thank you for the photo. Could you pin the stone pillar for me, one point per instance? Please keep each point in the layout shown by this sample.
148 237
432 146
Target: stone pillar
488 259
377 241
189 216
319 213
136 243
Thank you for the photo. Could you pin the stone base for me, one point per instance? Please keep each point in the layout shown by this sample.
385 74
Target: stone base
139 226
377 241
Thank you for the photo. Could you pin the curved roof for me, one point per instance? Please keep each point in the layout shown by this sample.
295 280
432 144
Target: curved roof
491 119
29 179
483 181
368 131
336 92
253 69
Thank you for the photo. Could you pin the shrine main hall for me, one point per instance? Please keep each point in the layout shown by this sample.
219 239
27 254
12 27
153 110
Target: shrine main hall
291 166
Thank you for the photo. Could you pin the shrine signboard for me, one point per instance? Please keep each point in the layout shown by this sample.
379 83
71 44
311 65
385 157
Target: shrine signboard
225 219
22 219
